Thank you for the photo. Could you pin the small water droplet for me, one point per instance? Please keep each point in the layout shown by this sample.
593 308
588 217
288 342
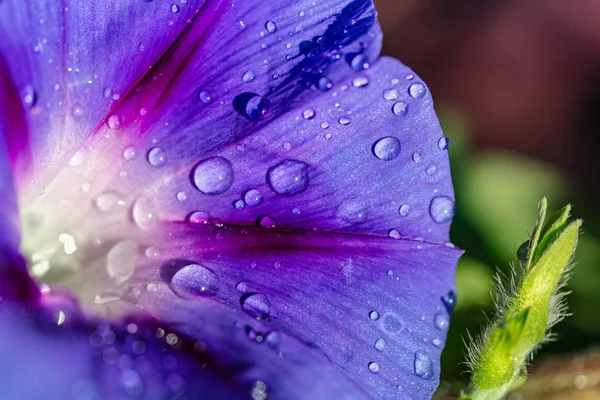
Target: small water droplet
77 110
360 81
273 339
374 315
213 175
359 62
181 196
115 122
404 210
441 321
251 105
174 8
121 259
253 197
288 178
431 170
195 280
423 365
152 253
129 153
199 217
380 344
296 211
239 205
387 148
351 211
248 76
270 26
417 90
441 209
344 121
391 94
400 109
309 113
436 342
106 201
449 301
324 84
205 97
394 234
267 222
374 367
28 96
443 143
256 305
157 157
416 157
143 214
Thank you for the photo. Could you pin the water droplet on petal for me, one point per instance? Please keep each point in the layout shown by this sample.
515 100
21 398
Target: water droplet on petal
288 178
253 197
199 217
359 62
270 26
256 305
152 253
351 211
239 204
267 222
121 259
374 367
213 175
380 344
181 196
400 108
344 121
441 209
443 143
157 157
309 113
251 105
324 84
423 365
360 81
143 213
404 210
417 90
77 110
174 8
28 96
387 148
391 94
436 342
449 301
205 97
416 157
296 211
273 339
129 153
106 201
248 76
432 169
394 234
115 122
374 315
195 280
441 321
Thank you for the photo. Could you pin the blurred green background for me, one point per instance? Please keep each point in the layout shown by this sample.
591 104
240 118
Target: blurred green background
516 84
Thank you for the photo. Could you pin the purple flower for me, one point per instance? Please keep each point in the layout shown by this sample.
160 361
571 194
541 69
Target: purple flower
217 200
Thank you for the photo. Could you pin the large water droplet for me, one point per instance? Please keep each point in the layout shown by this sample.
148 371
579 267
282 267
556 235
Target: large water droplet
417 90
157 157
441 209
351 211
253 197
143 213
270 26
256 305
195 280
205 97
288 178
400 108
441 321
387 148
121 259
423 365
115 122
213 175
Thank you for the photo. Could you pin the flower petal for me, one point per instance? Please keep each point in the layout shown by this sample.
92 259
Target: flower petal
376 307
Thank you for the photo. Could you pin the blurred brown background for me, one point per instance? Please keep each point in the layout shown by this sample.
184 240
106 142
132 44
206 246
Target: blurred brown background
517 86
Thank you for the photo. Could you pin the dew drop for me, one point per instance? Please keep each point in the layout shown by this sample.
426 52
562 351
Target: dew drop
386 148
143 214
436 342
115 122
360 81
431 170
251 105
449 301
253 197
106 201
441 209
288 178
351 211
273 339
242 287
121 259
270 26
344 121
373 315
157 157
394 234
77 110
213 175
239 205
28 96
296 211
441 321
324 125
267 222
359 62
391 94
195 280
181 196
199 217
443 143
324 84
248 76
174 8
404 210
417 90
152 253
256 305
205 97
416 157
309 113
400 109
129 153
380 344
423 365
374 367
